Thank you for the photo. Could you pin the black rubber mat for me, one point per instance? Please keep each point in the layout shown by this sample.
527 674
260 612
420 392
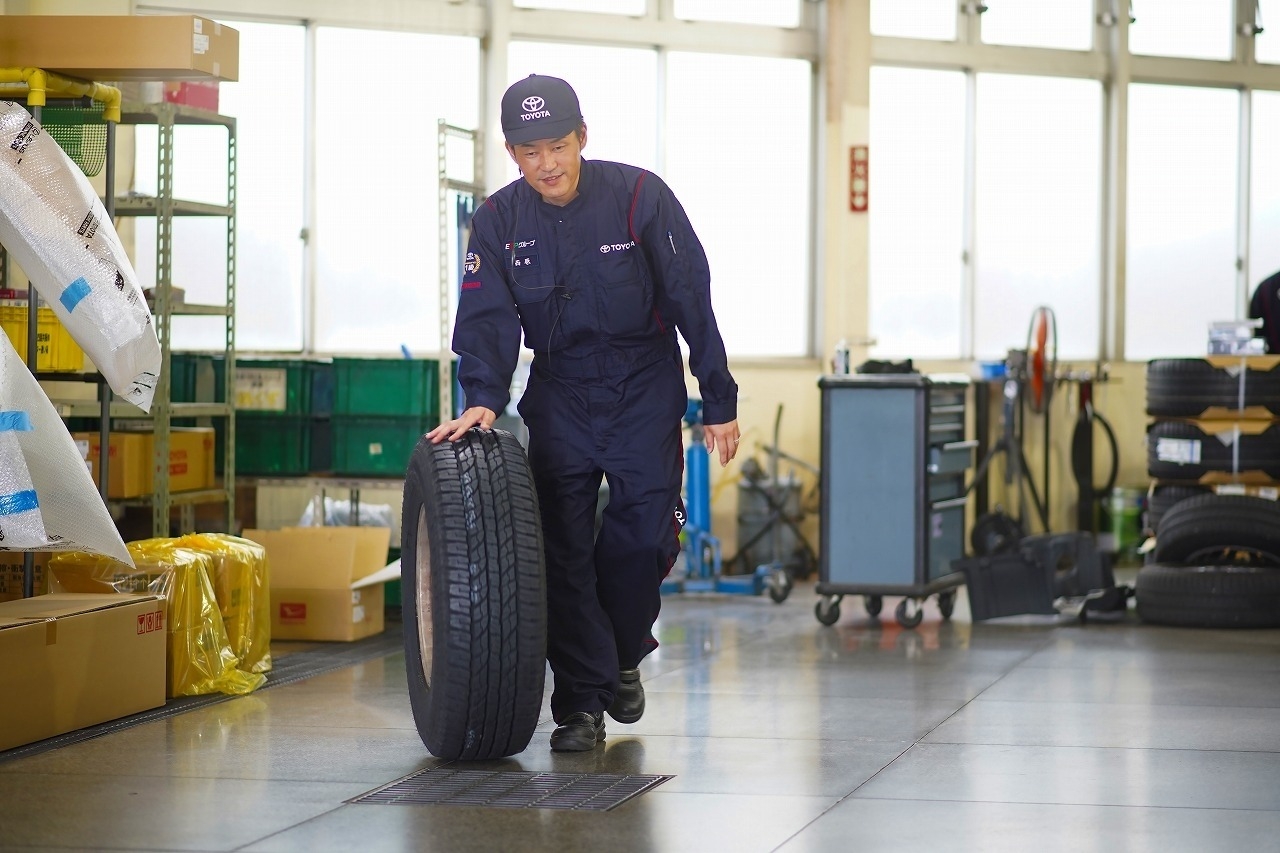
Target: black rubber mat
447 786
300 665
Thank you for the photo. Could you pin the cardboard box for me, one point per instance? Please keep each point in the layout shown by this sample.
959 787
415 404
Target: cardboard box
122 47
129 460
327 583
11 573
76 660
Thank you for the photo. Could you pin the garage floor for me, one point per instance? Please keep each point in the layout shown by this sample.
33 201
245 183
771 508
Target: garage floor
1029 734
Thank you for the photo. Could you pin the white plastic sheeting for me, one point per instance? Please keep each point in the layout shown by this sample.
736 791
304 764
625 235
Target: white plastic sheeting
53 224
48 501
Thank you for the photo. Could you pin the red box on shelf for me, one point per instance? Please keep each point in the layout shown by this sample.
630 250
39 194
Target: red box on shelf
201 94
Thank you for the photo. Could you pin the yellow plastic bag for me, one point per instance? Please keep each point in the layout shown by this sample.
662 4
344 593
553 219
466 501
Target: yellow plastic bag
200 656
244 596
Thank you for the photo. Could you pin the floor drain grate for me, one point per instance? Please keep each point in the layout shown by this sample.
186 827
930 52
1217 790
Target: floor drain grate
512 790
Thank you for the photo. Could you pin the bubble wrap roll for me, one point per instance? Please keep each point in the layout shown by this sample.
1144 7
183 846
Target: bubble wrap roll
70 510
53 224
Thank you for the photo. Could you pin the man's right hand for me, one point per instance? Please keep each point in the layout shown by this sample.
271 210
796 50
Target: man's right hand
457 428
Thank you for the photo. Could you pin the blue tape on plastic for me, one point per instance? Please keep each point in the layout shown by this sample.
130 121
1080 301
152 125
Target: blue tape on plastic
15 421
75 291
17 502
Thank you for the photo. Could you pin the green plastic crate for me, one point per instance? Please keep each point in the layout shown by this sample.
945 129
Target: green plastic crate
373 446
280 386
386 386
272 444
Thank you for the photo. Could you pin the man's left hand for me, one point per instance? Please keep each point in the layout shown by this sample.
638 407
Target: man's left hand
724 437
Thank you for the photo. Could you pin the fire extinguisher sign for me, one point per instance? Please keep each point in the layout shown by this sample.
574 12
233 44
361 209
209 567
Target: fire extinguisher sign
858 178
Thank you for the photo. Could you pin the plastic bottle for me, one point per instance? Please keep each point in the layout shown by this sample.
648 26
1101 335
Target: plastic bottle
840 363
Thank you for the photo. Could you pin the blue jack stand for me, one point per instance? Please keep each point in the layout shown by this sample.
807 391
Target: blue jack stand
701 549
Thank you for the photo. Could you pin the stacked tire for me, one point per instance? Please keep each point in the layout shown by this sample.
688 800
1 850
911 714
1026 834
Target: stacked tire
1213 453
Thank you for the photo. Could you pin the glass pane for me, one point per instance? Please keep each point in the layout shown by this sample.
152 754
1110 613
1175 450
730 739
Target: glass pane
1037 188
617 7
747 192
268 103
1194 28
1266 46
1182 218
922 19
1066 24
916 209
774 13
621 129
377 214
1264 189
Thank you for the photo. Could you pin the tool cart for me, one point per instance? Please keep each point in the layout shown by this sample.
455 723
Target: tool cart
894 457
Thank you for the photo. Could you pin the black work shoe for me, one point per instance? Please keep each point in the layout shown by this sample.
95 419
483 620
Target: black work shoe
579 732
628 702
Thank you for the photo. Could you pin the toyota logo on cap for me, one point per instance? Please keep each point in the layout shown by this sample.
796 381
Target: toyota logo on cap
533 104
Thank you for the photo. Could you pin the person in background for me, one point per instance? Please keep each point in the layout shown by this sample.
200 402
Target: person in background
1265 306
599 266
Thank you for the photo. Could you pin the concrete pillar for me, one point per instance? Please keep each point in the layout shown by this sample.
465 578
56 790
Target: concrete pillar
846 100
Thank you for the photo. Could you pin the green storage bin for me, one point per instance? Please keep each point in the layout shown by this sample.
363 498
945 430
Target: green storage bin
373 446
389 386
197 377
272 444
280 386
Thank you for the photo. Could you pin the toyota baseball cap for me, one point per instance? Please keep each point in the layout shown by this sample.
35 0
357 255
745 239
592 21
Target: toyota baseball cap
539 107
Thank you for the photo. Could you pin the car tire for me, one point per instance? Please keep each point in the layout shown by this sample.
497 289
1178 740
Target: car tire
473 585
1209 596
1220 530
1188 387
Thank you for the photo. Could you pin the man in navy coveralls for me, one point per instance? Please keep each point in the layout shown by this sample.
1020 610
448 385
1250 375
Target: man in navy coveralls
599 266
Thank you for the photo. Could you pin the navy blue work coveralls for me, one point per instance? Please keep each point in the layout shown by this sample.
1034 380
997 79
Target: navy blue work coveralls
599 287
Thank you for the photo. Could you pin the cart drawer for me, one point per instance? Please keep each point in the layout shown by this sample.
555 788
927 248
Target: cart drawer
952 457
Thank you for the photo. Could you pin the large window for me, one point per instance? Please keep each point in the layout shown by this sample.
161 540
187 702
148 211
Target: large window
775 13
1264 189
916 204
377 226
617 89
267 103
1039 143
1267 43
1183 163
617 7
1199 29
738 156
922 19
1061 24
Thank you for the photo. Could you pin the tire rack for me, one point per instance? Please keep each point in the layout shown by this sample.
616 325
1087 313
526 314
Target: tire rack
39 84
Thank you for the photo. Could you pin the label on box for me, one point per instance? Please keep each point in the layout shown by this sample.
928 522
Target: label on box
292 613
262 388
199 43
149 622
199 25
375 449
357 615
355 596
1184 451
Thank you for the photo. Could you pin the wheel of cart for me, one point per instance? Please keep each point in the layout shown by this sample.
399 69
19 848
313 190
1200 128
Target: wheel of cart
828 609
779 583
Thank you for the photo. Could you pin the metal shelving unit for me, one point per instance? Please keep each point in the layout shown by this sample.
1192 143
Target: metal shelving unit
164 208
